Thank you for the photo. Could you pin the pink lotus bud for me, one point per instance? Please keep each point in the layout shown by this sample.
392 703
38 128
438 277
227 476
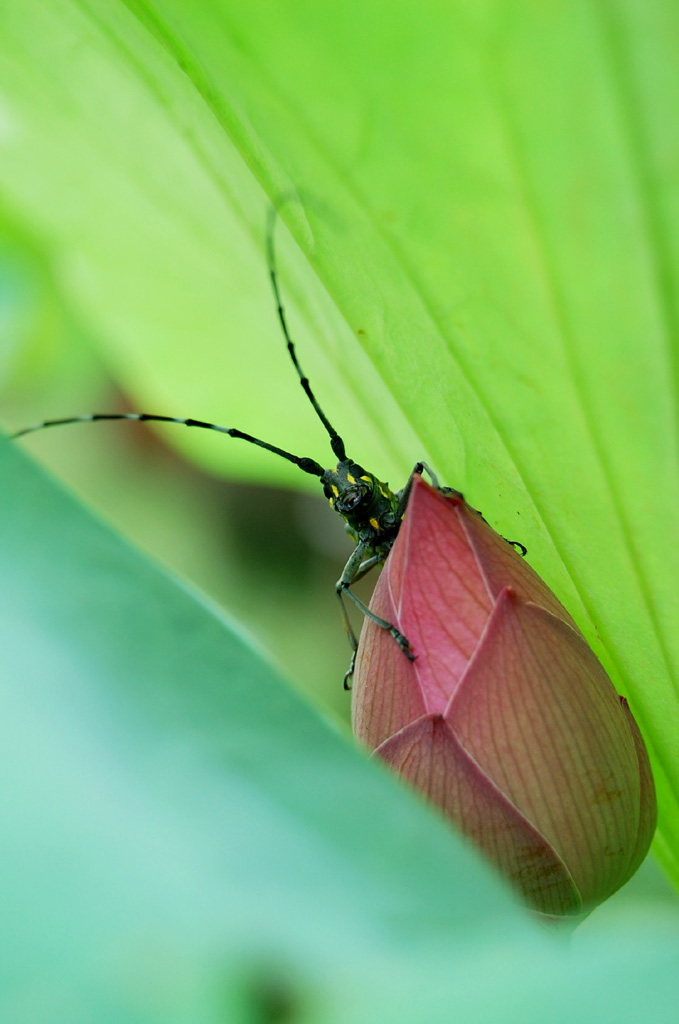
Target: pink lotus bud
506 719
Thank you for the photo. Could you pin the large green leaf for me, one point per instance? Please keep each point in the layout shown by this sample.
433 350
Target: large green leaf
486 192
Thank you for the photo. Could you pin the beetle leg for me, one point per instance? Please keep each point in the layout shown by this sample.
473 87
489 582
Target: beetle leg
404 493
356 568
365 567
348 575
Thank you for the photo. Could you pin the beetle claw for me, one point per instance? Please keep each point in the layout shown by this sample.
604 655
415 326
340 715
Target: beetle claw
404 643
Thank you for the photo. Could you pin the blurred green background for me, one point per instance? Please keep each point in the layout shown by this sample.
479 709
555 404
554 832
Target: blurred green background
269 555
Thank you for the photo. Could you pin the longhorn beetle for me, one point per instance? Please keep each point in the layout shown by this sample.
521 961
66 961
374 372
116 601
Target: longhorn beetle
373 513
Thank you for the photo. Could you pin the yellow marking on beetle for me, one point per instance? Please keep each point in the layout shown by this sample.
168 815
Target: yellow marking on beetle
334 489
332 502
367 478
375 525
385 494
350 478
